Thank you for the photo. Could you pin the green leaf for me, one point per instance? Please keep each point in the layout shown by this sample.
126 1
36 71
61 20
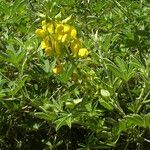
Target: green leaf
105 93
48 116
69 121
66 73
64 120
135 119
131 121
107 42
121 68
46 66
146 119
69 105
105 104
2 94
72 103
19 85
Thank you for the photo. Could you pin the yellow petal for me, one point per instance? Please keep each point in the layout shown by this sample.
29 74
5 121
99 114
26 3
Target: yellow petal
75 51
83 52
40 33
65 38
75 46
59 28
43 44
49 51
76 43
43 22
50 28
58 37
66 28
57 69
73 33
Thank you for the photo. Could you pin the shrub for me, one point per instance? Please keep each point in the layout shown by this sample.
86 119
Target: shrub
80 80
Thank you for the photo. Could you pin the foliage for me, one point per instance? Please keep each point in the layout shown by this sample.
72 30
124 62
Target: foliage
94 93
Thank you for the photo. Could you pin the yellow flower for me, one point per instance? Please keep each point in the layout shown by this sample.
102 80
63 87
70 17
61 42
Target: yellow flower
59 29
40 33
65 38
49 51
45 43
66 28
59 32
58 37
57 69
75 46
50 28
73 33
83 52
56 47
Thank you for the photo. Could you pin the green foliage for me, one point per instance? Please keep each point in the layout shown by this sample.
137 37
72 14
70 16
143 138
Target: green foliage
99 102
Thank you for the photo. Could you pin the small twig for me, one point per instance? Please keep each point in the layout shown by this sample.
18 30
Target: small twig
146 140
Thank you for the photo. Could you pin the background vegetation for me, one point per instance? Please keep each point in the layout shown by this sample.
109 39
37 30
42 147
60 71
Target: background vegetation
100 102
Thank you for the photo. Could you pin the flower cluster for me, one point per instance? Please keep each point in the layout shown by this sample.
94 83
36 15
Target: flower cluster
59 37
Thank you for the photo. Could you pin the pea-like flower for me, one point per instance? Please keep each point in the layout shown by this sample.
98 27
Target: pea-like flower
49 51
40 33
76 44
83 52
58 38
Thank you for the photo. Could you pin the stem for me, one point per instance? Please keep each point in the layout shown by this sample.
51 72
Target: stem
130 95
142 92
126 146
5 76
139 100
118 108
146 96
